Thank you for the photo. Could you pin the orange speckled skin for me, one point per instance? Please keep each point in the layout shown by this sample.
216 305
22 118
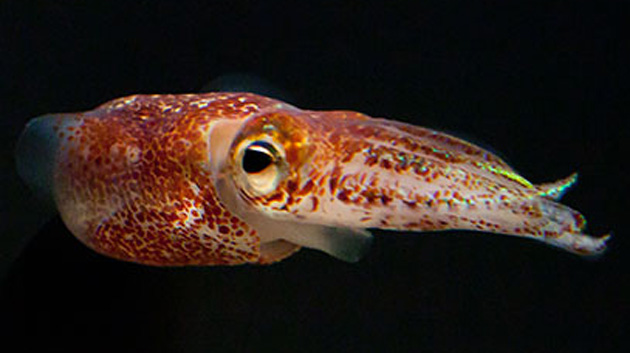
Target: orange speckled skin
134 179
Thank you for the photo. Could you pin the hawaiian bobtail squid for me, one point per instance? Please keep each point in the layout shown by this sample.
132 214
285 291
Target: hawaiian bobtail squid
232 178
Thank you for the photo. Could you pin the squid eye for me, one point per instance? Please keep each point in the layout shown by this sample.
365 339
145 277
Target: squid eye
262 167
258 156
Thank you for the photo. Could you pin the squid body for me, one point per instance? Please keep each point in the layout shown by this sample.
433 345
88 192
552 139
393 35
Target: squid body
233 178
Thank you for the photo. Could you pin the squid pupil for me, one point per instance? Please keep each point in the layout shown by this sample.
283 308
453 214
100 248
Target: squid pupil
255 161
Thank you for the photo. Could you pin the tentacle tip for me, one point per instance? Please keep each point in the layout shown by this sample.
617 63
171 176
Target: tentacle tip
581 244
555 190
591 246
572 179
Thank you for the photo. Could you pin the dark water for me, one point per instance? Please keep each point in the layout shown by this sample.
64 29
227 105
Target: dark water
541 85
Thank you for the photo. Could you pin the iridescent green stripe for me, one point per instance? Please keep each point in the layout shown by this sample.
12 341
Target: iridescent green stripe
506 173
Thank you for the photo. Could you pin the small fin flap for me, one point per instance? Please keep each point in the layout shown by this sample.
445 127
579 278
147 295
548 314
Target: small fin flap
557 189
348 244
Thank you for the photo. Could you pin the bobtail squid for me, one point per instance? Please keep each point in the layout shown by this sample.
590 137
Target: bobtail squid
233 178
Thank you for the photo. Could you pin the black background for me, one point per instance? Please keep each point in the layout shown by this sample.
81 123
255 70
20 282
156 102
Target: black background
541 84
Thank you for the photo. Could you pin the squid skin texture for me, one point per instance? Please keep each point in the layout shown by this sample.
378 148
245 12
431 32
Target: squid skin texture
157 179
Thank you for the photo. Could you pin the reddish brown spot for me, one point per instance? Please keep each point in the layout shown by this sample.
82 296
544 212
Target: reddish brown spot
371 159
347 157
307 187
386 164
385 200
291 187
420 169
343 195
410 203
275 197
149 155
370 195
332 184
